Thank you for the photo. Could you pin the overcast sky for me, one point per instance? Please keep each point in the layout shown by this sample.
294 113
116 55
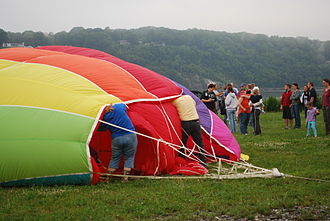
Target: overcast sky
308 18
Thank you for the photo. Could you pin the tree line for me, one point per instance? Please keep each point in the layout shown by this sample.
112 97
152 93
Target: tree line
194 57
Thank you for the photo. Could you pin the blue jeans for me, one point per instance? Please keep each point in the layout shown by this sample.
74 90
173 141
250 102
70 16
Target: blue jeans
123 145
251 120
311 125
231 118
296 114
244 119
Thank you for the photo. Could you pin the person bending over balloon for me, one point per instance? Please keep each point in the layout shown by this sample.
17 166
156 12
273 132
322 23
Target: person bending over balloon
186 107
123 142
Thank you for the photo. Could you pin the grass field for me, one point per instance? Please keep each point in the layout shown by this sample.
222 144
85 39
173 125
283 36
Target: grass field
288 150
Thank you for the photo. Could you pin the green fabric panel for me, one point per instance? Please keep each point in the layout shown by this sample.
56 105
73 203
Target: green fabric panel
38 142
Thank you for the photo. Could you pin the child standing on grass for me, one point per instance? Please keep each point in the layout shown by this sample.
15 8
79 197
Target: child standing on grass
311 119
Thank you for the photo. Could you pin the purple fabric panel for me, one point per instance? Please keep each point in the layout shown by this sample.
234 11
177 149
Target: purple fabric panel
202 110
220 130
222 133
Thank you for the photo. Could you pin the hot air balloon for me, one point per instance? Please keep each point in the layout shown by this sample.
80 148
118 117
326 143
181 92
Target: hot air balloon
52 99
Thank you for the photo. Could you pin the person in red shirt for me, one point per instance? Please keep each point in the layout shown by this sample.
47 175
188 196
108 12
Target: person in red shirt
286 104
244 111
326 105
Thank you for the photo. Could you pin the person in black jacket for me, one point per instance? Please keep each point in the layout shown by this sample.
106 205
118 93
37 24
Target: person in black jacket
208 97
312 93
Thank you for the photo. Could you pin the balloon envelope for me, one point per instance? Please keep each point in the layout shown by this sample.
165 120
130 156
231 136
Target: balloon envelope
52 97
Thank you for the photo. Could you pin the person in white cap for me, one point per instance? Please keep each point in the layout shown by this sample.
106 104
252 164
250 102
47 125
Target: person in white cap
256 104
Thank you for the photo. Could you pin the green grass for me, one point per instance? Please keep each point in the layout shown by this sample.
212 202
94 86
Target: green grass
288 150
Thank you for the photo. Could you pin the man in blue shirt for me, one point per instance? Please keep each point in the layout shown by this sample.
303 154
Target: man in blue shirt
124 142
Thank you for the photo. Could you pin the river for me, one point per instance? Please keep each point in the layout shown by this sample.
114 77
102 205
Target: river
277 92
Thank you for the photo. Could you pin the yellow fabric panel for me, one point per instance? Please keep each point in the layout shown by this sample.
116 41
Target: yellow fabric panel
245 157
50 87
5 63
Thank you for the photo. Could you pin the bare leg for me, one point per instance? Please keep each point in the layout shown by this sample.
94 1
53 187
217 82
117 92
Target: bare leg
111 170
106 178
291 123
286 123
127 171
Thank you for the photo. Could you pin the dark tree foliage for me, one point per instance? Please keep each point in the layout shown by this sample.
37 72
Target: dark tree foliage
272 104
3 37
193 57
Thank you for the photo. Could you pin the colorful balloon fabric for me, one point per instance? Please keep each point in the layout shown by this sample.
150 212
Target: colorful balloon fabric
51 101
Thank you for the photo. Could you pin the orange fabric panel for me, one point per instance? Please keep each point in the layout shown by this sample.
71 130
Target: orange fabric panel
110 77
24 54
107 76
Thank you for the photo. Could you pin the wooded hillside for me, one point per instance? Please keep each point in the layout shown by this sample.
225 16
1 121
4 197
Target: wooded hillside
194 57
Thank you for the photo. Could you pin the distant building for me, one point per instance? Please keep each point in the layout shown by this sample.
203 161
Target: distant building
124 42
13 45
163 44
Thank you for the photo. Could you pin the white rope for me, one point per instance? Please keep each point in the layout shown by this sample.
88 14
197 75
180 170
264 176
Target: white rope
211 176
192 150
178 137
213 152
180 177
306 178
178 146
262 171
195 144
158 159
152 138
172 145
173 128
265 173
166 121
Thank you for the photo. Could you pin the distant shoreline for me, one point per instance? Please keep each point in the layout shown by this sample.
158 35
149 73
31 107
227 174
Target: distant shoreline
277 92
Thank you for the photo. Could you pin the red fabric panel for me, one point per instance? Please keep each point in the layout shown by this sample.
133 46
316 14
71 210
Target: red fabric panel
188 167
151 158
209 144
155 157
154 83
96 171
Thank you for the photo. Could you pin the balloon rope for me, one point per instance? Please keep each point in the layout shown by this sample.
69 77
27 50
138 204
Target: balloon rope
178 137
152 138
178 146
206 153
